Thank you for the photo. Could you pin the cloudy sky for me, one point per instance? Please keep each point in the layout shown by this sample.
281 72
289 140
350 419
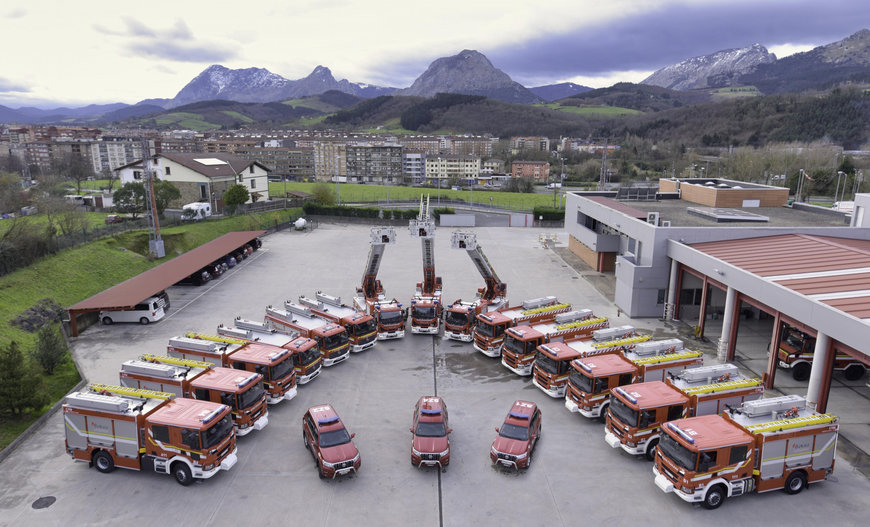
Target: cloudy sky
97 51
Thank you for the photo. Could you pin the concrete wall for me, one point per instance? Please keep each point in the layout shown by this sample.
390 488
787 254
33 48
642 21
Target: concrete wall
861 212
457 220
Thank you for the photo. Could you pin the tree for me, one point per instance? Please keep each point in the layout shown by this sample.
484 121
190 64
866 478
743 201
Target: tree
164 194
50 349
235 196
518 184
11 195
20 384
73 167
323 194
130 199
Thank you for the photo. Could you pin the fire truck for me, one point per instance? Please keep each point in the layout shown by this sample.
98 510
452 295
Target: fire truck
426 304
113 426
591 381
362 330
796 350
768 444
459 320
490 327
300 320
552 364
638 411
370 298
184 377
274 363
303 350
521 343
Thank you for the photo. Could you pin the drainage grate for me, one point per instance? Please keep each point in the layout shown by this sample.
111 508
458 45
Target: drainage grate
44 502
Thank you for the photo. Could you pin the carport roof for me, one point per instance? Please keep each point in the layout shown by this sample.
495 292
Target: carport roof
132 291
833 271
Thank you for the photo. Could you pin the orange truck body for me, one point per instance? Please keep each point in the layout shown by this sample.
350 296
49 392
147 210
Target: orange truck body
489 329
797 349
765 445
637 412
590 382
299 320
114 426
362 329
520 346
304 351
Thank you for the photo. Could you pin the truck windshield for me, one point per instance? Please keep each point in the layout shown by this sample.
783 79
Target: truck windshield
673 450
623 412
424 313
218 432
334 438
580 381
513 344
307 357
520 433
431 429
334 341
546 363
390 317
364 328
489 330
456 318
280 370
251 396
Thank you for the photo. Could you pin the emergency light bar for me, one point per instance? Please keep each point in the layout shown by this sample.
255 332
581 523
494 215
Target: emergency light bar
278 354
431 411
486 317
583 365
548 349
626 395
682 433
518 415
327 420
249 379
213 414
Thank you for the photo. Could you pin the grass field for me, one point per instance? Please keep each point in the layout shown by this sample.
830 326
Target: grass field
592 111
736 92
79 273
371 193
186 120
237 115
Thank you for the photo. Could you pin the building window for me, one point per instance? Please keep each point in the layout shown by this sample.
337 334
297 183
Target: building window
168 172
253 183
251 169
661 296
137 174
203 191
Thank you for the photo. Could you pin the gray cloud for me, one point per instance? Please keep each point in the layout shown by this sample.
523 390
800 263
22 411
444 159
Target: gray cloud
138 29
182 52
16 13
678 32
7 86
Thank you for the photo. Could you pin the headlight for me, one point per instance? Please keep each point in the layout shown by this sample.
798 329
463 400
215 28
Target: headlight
493 450
415 451
208 467
442 454
328 464
522 456
687 490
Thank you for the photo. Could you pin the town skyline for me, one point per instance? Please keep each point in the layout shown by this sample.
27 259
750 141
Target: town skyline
102 52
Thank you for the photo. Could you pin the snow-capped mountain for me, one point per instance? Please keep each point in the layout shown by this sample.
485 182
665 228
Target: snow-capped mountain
243 85
469 73
321 80
710 71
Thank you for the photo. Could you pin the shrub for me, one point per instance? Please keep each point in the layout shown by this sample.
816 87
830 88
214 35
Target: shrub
50 349
549 213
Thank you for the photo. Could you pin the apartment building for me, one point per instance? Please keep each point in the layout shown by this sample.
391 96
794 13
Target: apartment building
535 170
378 164
446 167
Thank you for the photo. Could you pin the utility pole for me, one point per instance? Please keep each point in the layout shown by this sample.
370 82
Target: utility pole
603 177
155 242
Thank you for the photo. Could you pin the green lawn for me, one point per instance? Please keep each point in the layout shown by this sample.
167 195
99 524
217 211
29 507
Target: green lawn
94 219
76 274
237 115
192 121
369 193
592 111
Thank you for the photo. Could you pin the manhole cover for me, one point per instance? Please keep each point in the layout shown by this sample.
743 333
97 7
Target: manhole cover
44 502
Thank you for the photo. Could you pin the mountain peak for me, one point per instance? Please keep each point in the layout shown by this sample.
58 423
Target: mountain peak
717 69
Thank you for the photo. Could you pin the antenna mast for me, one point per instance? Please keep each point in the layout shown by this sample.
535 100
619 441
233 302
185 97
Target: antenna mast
155 242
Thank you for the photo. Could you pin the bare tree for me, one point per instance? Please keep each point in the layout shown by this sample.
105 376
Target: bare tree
73 167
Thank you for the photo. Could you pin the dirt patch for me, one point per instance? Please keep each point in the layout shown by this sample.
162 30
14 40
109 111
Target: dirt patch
44 312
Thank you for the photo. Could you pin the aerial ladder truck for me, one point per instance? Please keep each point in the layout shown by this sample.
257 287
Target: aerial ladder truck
426 304
388 314
459 322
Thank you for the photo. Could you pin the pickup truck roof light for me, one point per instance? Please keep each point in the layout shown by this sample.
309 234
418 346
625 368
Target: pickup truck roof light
327 420
518 415
431 411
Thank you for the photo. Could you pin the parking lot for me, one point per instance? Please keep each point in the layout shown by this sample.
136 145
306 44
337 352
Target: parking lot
575 478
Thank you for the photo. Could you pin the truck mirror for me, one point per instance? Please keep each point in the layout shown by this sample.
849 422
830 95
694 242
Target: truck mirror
449 430
496 429
352 435
411 429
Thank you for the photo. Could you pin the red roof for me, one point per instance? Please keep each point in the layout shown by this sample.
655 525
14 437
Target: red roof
131 292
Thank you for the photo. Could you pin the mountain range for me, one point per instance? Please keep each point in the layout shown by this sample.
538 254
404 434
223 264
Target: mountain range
470 72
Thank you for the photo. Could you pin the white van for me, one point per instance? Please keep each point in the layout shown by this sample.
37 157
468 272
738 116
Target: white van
195 211
150 310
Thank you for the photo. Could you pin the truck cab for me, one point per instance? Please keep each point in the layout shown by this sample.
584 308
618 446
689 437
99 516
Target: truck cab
552 366
299 320
590 381
489 333
426 313
518 436
361 327
636 413
490 328
430 444
796 351
459 320
329 442
304 353
273 363
240 390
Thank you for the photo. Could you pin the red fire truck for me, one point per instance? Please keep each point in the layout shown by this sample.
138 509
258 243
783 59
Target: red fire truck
331 338
303 350
113 426
638 411
426 304
591 381
274 363
361 328
240 390
460 316
765 445
521 343
796 351
370 298
552 364
490 327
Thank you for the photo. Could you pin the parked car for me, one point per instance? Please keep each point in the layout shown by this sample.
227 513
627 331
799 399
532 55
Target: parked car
329 442
150 310
430 444
518 436
198 278
230 261
163 297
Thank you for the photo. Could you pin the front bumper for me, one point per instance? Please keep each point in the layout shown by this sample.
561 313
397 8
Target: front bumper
397 334
555 392
663 483
226 464
429 330
489 352
286 396
332 361
462 337
356 348
523 370
305 379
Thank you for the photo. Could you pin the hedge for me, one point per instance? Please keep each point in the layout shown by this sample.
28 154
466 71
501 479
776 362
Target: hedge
358 212
549 213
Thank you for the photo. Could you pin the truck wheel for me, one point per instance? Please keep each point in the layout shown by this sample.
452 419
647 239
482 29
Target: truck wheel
651 450
854 372
107 321
714 497
603 416
144 321
795 482
320 471
801 371
182 473
104 462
